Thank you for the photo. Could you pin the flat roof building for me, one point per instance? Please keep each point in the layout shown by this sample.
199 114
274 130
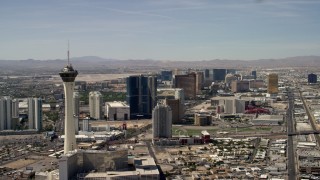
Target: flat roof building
268 120
87 160
105 165
202 119
117 111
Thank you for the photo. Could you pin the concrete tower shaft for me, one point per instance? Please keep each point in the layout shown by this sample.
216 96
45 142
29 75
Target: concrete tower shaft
68 75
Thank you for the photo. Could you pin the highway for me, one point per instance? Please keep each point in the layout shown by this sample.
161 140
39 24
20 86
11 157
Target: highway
291 130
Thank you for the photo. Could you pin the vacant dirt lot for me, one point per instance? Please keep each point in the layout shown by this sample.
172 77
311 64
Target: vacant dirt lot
130 123
20 163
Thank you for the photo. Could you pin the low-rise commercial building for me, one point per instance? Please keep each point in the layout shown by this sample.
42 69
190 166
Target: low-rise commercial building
117 111
268 120
105 164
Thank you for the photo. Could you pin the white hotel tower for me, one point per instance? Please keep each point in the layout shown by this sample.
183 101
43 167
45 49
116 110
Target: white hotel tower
162 121
68 75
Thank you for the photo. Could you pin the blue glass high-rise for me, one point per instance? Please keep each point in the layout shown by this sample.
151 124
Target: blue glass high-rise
219 74
254 74
141 95
312 78
166 75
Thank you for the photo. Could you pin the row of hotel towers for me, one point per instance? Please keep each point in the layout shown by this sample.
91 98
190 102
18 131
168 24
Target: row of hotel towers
142 95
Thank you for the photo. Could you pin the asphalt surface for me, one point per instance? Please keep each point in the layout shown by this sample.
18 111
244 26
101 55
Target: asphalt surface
152 154
312 120
290 130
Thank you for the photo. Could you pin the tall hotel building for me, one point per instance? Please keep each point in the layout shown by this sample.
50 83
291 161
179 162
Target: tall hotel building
76 110
199 81
76 104
166 75
95 104
312 78
174 98
188 83
35 113
273 83
162 121
5 113
254 74
15 108
219 74
141 95
68 75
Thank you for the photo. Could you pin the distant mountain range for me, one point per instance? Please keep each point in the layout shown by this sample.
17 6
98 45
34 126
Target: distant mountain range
98 64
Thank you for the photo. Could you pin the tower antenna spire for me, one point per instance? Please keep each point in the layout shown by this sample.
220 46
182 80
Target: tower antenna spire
68 53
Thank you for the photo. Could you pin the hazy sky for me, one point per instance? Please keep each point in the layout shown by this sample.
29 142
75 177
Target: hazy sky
159 29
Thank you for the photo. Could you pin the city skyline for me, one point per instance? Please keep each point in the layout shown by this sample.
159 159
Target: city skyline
161 30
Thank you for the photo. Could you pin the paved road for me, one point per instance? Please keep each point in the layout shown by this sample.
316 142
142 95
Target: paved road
290 130
152 154
268 135
256 145
311 118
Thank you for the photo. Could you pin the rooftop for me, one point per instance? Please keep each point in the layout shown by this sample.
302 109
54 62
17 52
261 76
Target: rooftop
68 74
269 117
117 104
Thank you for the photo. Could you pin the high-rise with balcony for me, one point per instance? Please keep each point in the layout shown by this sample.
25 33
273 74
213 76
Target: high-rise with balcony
76 104
15 108
95 104
162 121
76 110
5 113
35 113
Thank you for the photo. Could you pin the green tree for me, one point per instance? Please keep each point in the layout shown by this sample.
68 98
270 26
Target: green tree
52 115
48 127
